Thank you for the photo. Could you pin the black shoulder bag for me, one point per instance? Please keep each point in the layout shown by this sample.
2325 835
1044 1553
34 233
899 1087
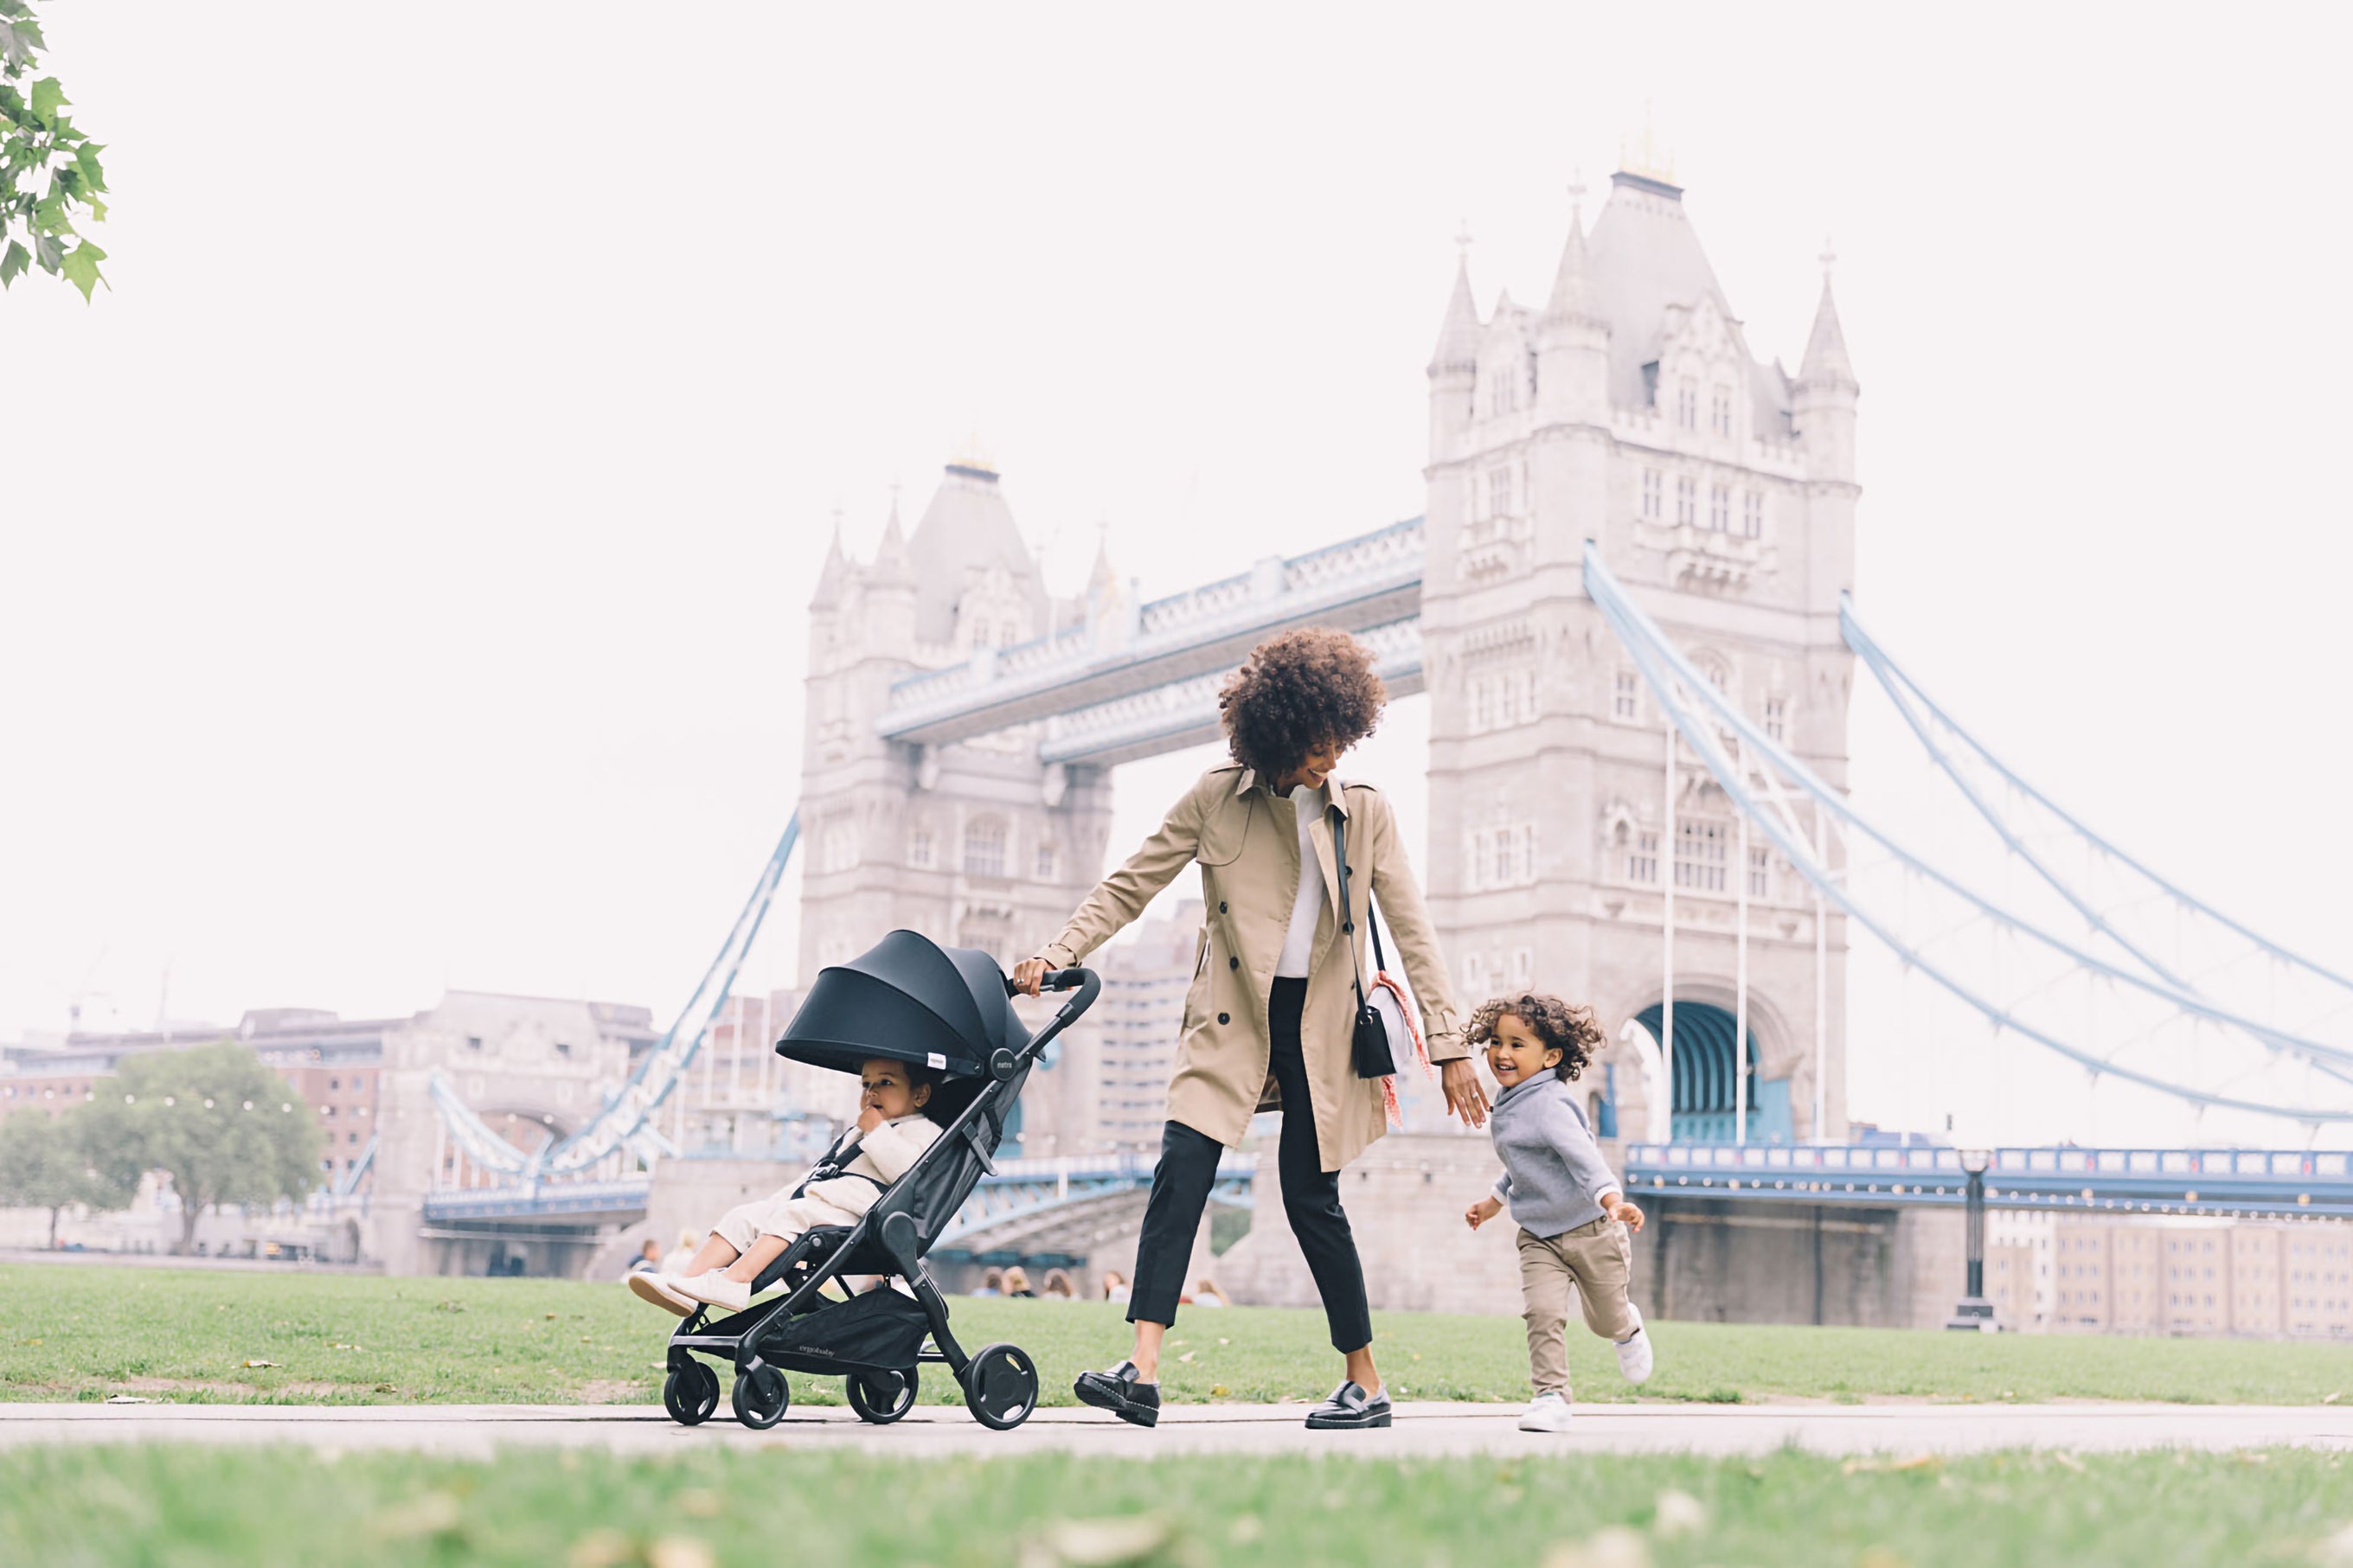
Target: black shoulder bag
1369 1044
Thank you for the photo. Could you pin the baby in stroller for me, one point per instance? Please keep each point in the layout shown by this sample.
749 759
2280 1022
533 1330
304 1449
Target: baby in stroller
932 1035
875 1151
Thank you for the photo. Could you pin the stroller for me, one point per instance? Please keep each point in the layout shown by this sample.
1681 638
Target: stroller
948 1009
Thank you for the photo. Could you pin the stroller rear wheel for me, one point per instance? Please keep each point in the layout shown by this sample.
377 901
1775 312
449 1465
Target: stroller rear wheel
882 1397
1000 1387
760 1397
691 1393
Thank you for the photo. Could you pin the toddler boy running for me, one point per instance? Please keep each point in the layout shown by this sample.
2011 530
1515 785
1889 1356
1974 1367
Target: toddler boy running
1573 1216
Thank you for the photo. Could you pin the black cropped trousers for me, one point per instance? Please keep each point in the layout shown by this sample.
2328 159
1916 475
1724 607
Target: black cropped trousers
1311 1197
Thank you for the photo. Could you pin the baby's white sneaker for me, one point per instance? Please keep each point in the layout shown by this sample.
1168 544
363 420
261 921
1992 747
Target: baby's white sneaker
718 1290
1634 1354
659 1289
1547 1412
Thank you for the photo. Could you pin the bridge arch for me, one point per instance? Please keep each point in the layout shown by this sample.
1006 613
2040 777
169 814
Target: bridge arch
1703 1092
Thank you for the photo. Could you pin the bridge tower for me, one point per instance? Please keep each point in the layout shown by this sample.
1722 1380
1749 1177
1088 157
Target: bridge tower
977 843
1628 410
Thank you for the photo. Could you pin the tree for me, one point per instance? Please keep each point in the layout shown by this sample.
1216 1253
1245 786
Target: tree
53 1165
38 142
224 1128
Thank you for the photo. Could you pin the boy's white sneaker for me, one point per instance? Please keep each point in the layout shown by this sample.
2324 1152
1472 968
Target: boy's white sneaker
718 1290
1547 1413
1634 1354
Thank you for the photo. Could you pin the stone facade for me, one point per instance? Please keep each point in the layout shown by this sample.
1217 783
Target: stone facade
1715 1260
1629 410
1405 1198
977 844
531 1068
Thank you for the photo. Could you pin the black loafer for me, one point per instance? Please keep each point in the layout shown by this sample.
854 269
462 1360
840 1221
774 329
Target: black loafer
1348 1408
1118 1392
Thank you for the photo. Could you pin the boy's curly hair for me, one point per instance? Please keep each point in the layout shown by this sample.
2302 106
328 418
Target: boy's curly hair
1570 1030
1297 690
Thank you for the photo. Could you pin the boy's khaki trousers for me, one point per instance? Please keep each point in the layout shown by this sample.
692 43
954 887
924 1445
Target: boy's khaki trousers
1595 1257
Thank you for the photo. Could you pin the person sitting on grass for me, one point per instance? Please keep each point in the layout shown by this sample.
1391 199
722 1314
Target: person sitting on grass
1573 1216
683 1253
892 1130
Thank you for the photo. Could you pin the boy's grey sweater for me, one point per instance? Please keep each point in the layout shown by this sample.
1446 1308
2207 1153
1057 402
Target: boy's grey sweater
1554 1174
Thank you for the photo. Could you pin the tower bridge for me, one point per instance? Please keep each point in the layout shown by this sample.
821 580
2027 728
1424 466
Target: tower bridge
1629 596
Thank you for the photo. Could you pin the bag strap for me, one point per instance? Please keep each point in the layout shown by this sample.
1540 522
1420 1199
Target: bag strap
1372 913
1348 926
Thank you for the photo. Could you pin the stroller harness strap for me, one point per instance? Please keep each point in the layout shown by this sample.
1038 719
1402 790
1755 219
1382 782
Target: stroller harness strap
831 1163
974 1134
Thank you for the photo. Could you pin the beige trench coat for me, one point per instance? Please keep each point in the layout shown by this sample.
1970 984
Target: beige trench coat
1246 840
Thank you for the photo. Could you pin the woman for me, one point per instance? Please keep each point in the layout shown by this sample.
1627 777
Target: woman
1270 1015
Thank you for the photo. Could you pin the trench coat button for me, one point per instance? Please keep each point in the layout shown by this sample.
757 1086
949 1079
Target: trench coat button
1222 906
1233 964
1224 1018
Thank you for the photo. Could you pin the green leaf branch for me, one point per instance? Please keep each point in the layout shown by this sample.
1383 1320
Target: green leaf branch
50 176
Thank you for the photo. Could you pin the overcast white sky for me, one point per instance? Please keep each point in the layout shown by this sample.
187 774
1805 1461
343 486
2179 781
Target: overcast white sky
405 561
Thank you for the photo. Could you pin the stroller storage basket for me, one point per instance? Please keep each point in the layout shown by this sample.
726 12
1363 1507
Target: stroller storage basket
881 1329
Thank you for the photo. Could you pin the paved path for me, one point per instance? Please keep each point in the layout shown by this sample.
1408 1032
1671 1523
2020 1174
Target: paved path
1432 1429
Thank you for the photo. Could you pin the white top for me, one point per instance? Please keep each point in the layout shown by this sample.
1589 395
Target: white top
1298 942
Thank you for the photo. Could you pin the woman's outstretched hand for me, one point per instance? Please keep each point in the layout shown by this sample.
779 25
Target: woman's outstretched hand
1029 975
1464 1098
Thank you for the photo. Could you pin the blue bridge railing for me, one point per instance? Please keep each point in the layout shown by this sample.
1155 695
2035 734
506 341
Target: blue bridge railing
2271 1182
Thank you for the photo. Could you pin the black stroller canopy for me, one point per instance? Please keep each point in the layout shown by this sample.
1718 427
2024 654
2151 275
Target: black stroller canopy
907 999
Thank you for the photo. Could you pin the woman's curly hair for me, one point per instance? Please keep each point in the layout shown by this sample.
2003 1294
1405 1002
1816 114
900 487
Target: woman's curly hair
1569 1030
1296 692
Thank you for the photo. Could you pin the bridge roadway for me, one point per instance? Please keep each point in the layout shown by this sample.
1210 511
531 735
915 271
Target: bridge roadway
1423 1429
1028 1201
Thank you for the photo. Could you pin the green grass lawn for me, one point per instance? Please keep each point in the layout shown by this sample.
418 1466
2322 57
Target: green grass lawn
184 1505
87 1332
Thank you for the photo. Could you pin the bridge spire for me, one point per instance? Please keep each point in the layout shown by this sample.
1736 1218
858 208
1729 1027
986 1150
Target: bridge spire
829 576
1458 335
1572 285
1826 358
890 560
1101 581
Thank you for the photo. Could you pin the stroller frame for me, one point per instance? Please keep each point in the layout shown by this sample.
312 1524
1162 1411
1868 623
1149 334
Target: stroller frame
999 1381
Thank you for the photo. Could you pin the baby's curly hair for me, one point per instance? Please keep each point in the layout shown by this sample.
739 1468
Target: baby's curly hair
1295 691
1570 1030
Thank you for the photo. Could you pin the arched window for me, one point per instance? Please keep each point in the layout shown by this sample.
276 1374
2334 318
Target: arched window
983 848
1045 862
919 846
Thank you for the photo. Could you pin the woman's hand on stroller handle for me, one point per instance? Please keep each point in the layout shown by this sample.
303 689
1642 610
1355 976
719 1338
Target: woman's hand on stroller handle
1033 975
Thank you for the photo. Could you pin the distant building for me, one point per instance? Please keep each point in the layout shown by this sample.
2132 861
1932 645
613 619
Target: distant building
1110 1085
331 1064
336 1065
2148 1275
741 1098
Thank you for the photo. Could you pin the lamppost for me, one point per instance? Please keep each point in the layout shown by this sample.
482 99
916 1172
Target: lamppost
1974 1312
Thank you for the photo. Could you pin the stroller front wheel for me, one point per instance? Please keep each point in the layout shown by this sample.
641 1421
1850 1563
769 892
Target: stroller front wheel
1001 1387
760 1397
691 1393
882 1397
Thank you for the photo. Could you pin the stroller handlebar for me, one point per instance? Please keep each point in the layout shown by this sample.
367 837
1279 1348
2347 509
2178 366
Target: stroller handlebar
1054 980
